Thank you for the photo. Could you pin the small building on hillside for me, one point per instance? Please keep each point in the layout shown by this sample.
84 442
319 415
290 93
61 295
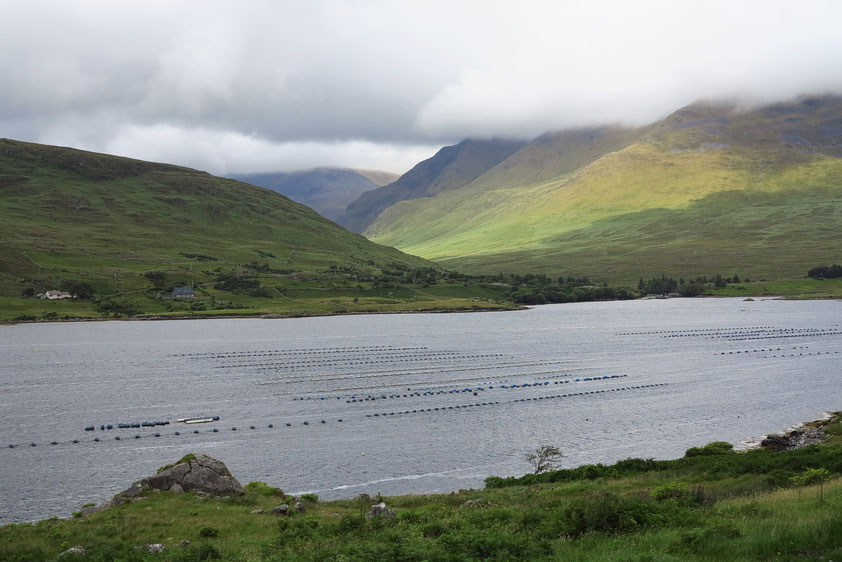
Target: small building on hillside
55 295
183 293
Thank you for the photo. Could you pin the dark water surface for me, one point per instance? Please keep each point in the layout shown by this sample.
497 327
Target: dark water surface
680 373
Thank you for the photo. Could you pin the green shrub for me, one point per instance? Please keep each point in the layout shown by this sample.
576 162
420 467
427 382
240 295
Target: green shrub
433 530
302 527
714 448
312 498
351 523
603 512
263 489
198 552
670 490
208 532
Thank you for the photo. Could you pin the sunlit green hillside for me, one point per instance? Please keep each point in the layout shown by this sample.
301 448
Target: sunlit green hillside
708 189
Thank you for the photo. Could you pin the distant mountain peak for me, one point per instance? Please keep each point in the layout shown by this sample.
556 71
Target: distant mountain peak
450 168
326 189
379 177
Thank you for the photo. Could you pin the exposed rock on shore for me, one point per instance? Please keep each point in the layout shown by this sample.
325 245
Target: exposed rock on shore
811 434
193 473
196 473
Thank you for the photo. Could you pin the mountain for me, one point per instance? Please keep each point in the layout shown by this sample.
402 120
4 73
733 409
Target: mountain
71 214
327 190
379 177
711 188
450 168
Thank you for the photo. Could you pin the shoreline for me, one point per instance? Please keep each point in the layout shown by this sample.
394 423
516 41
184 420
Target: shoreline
277 315
259 315
801 435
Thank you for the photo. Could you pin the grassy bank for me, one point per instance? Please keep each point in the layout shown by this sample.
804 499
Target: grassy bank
728 505
804 288
316 295
347 290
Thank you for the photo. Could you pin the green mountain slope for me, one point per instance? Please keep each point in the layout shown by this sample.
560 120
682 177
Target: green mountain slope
326 190
707 189
70 215
450 168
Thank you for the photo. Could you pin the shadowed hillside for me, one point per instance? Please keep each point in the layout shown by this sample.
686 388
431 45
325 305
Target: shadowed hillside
129 232
450 168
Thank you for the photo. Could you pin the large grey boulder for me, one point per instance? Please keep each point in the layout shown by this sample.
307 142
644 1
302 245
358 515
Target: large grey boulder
195 473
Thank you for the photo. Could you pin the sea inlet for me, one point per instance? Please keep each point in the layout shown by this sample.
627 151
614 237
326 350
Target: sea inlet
400 403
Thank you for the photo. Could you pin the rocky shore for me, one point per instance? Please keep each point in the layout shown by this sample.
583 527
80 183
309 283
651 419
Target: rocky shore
811 433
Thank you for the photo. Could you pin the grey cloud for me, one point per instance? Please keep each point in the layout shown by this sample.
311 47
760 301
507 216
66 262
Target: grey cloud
298 81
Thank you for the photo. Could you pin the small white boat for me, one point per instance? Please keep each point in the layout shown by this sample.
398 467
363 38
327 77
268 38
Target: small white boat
206 419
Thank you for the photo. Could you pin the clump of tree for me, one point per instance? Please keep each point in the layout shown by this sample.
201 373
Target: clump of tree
812 477
686 288
826 272
655 286
79 289
116 309
266 268
541 289
199 257
235 283
544 458
158 278
714 448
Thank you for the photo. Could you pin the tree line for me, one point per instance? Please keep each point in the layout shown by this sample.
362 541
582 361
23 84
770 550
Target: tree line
826 272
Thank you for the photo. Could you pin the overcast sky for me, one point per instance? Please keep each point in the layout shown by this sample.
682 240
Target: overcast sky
258 86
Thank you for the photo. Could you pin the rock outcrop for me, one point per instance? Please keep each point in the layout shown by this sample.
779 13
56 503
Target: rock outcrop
794 439
193 473
196 473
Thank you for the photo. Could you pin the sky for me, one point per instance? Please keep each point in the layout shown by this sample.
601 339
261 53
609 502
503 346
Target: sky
260 86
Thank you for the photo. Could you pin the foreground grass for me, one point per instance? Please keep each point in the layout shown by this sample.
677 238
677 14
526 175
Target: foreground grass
730 506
